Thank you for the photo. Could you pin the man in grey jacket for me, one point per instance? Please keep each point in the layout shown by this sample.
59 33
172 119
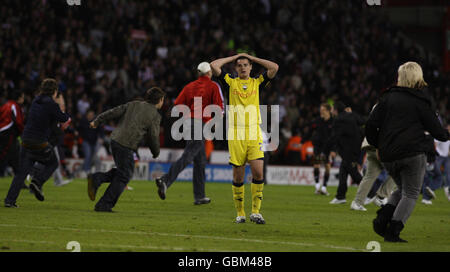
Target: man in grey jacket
137 119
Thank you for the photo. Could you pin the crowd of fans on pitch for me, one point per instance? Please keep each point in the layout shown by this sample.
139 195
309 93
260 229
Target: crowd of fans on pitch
105 53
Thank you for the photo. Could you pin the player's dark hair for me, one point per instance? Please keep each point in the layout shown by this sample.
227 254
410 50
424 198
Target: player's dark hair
242 57
15 95
154 95
48 86
339 106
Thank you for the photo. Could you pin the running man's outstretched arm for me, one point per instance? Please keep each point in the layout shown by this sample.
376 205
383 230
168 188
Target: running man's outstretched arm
111 114
272 67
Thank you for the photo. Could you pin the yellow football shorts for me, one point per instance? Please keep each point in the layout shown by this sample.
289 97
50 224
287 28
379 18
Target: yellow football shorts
245 145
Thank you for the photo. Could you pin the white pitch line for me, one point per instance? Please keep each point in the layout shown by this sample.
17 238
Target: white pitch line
110 246
188 235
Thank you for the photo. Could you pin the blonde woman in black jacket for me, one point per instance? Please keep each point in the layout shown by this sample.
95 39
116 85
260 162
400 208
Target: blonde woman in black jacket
396 127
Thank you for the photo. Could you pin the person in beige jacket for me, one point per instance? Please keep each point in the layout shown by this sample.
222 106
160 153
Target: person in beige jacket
374 168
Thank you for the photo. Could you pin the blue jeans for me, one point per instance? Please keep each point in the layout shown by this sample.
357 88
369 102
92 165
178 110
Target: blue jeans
434 178
445 161
89 152
194 152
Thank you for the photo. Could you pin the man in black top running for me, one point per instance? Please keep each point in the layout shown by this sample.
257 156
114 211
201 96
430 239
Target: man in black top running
46 109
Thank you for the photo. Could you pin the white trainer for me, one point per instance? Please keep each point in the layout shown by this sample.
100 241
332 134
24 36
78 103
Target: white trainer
368 200
324 191
63 182
338 201
427 202
447 193
317 191
379 201
257 218
240 219
430 192
357 207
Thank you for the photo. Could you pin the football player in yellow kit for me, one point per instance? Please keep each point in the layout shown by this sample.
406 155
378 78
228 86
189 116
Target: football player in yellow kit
244 133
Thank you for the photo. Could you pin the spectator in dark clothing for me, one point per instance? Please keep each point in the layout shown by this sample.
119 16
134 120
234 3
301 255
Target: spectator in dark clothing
346 139
322 132
90 140
396 127
45 110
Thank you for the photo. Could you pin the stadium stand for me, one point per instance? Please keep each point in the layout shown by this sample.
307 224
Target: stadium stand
107 52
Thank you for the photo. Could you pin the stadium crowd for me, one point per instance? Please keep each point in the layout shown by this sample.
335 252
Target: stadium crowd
103 59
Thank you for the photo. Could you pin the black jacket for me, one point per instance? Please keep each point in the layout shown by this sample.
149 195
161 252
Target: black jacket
346 136
397 125
42 116
88 134
322 130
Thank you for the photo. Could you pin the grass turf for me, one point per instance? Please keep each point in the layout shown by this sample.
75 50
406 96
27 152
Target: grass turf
297 220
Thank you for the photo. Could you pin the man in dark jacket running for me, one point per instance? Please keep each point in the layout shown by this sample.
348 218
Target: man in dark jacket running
46 109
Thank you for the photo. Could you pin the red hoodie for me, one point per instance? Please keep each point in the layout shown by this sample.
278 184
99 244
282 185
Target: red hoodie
203 87
10 114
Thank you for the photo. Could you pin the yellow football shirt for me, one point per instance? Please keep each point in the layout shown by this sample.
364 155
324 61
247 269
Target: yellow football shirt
244 117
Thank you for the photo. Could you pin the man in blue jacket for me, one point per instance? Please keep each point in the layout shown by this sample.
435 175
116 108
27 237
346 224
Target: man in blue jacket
46 109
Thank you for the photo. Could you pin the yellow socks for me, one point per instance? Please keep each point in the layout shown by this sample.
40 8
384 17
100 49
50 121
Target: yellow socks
257 187
238 197
257 195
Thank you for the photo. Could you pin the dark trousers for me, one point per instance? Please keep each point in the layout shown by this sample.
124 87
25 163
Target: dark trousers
408 175
347 168
9 149
118 177
266 163
194 152
28 157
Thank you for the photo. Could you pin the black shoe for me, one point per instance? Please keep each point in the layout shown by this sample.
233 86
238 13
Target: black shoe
162 188
393 232
200 201
384 216
92 189
102 209
11 205
36 190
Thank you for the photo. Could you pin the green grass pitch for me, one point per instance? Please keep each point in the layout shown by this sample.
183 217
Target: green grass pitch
297 221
